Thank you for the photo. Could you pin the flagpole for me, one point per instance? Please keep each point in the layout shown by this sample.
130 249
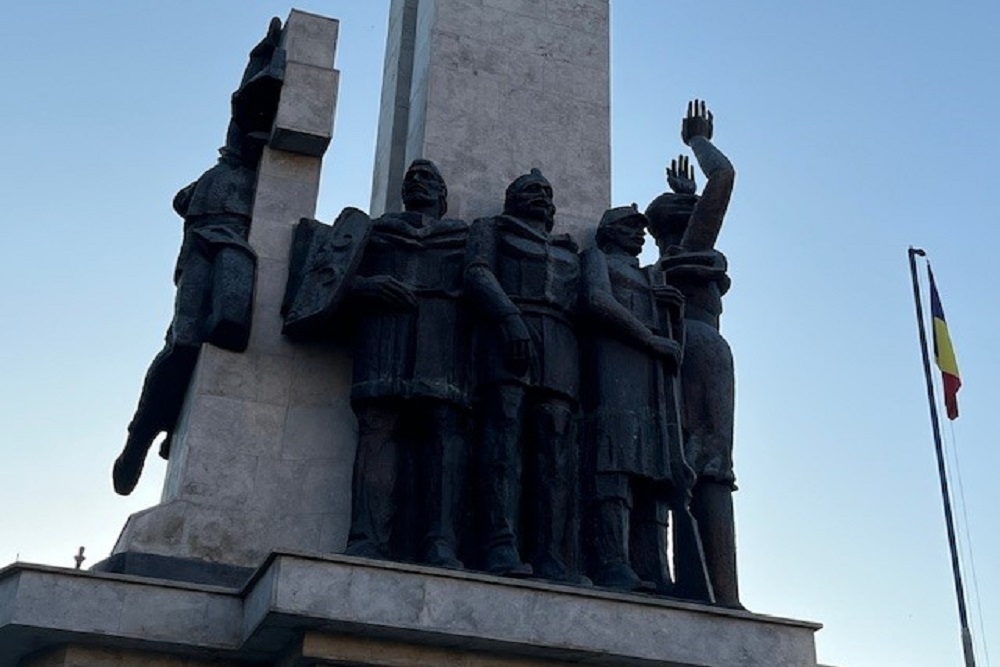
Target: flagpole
970 658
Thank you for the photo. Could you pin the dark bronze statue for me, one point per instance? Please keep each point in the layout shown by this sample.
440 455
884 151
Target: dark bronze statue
410 391
216 267
395 283
686 227
634 459
522 281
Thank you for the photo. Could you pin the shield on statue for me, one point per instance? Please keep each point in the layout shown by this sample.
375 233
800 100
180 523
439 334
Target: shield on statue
324 258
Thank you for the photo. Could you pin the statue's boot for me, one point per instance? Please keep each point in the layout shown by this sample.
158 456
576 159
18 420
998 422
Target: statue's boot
503 559
648 543
440 553
610 546
128 465
160 404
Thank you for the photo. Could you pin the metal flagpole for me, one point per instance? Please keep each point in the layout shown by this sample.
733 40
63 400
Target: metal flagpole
970 658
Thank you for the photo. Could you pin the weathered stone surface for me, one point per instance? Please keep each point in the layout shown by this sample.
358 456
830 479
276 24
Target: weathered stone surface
490 88
379 614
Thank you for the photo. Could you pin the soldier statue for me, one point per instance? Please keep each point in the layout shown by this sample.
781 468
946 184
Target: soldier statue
215 270
633 453
410 390
686 227
522 281
397 282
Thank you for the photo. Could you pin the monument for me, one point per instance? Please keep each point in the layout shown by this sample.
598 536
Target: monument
412 438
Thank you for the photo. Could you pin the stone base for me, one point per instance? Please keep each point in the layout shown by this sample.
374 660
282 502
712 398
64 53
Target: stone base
310 610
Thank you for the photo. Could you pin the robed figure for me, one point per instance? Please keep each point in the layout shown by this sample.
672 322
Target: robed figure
686 226
634 468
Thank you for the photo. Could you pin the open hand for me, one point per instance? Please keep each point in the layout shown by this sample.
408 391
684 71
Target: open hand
697 123
680 176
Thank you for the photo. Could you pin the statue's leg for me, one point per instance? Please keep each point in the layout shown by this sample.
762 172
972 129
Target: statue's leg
650 533
167 379
610 537
373 493
500 477
446 460
553 488
227 322
712 507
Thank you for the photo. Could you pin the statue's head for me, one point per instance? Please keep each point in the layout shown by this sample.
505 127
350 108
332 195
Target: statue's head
424 189
668 217
624 227
530 197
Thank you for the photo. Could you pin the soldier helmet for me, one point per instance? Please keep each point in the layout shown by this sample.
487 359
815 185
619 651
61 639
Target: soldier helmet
618 215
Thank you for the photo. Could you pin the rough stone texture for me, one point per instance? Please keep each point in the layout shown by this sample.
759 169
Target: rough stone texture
356 612
488 89
261 460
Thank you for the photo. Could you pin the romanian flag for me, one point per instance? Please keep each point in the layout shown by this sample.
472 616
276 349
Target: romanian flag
944 354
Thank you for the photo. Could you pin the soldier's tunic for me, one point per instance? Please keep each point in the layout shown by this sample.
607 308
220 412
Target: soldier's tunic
537 276
419 352
621 387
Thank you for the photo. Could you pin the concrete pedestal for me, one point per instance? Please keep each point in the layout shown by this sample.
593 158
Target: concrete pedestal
300 610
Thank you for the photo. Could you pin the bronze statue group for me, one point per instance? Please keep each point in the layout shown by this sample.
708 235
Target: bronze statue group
523 408
529 410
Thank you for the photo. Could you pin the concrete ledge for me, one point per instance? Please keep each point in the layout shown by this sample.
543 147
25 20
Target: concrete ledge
316 604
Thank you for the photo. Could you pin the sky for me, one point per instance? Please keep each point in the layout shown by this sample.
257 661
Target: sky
857 129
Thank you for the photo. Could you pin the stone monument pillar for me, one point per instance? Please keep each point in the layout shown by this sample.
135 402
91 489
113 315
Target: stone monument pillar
261 459
488 90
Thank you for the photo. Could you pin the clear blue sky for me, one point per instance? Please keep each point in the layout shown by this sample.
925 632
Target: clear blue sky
857 129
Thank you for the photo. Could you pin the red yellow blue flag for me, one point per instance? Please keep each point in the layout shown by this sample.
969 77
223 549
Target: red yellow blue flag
944 353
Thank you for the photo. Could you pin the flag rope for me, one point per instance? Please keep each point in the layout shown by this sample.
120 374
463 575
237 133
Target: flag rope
951 445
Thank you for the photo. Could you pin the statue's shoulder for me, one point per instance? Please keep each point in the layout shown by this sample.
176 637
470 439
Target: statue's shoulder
451 225
565 241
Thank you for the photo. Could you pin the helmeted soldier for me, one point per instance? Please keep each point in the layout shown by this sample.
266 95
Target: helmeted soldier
410 386
627 362
523 282
686 227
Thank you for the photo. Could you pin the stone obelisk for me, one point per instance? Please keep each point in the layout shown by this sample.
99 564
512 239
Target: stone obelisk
488 89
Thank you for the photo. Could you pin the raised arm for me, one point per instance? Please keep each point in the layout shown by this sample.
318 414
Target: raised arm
706 220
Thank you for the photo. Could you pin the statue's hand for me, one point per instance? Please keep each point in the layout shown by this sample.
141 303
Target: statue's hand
386 290
668 294
697 123
517 344
669 350
680 176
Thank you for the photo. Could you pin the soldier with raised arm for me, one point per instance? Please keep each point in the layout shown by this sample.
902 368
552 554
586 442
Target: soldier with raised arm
686 227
